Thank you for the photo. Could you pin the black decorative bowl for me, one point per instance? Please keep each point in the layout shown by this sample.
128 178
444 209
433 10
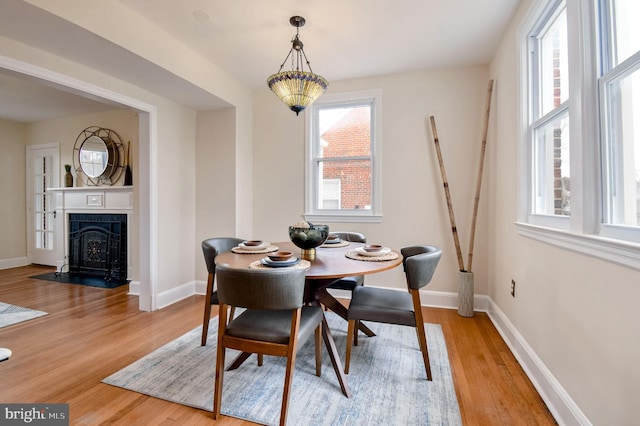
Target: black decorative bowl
309 238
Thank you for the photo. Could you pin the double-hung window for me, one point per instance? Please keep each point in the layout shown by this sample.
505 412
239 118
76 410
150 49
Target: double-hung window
580 89
619 92
548 133
343 158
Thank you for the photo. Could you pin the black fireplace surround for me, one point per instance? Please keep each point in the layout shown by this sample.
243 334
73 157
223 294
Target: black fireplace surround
98 245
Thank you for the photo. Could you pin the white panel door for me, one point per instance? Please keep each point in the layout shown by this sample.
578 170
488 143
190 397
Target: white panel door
43 171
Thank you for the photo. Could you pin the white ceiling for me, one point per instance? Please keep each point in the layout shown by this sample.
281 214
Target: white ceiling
249 39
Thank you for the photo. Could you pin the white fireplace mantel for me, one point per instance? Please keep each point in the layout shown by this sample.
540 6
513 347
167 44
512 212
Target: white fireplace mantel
89 199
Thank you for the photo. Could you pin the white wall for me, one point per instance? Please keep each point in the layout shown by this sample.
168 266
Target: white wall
578 314
13 209
413 202
176 196
215 179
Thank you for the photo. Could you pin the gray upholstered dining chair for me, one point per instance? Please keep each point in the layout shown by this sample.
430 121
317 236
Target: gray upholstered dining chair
349 283
397 307
211 248
274 322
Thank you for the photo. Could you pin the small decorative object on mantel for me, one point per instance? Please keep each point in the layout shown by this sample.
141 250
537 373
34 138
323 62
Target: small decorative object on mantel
465 276
98 156
128 178
68 177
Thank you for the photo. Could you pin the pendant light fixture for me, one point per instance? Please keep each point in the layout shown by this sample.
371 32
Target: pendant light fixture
297 88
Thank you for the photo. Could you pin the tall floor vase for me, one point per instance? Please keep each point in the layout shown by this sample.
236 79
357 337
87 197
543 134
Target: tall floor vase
465 294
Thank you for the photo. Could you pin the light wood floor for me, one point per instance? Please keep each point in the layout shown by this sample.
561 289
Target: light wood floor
91 333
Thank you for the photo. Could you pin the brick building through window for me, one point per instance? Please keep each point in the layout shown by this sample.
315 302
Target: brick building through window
346 169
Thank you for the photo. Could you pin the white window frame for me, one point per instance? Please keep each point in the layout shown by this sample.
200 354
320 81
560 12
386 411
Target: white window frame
583 231
611 74
535 120
312 213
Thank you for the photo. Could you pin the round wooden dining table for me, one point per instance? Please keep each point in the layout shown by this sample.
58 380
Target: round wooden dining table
330 265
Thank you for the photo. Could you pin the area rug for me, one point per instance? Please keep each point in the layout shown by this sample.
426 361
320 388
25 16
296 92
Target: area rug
387 380
80 279
12 314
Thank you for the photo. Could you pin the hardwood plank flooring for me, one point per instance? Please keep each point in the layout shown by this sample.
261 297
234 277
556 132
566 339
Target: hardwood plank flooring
91 333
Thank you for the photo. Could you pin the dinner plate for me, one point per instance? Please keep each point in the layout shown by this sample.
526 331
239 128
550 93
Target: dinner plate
336 241
381 252
249 248
279 263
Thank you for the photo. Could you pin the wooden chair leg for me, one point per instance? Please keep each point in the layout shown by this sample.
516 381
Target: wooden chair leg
288 379
207 310
421 332
318 344
205 324
422 341
220 354
291 363
350 332
217 391
355 334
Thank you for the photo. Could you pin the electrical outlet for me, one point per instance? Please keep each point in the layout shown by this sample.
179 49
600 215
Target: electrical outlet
513 288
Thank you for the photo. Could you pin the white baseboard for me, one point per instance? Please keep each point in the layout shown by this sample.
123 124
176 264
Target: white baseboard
176 294
168 297
201 287
433 299
134 288
449 300
13 263
562 407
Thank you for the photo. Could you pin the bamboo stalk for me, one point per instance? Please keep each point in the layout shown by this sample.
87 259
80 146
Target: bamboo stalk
480 170
452 219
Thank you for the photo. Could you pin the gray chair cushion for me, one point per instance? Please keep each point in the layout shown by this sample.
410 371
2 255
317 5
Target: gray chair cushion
274 326
381 305
349 283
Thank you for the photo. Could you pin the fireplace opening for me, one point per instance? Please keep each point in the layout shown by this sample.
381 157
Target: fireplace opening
98 245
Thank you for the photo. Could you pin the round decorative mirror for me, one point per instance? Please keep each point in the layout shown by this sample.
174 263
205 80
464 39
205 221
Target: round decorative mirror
98 155
94 157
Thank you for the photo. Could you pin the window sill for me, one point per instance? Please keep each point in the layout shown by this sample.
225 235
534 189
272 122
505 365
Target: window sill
342 218
616 251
